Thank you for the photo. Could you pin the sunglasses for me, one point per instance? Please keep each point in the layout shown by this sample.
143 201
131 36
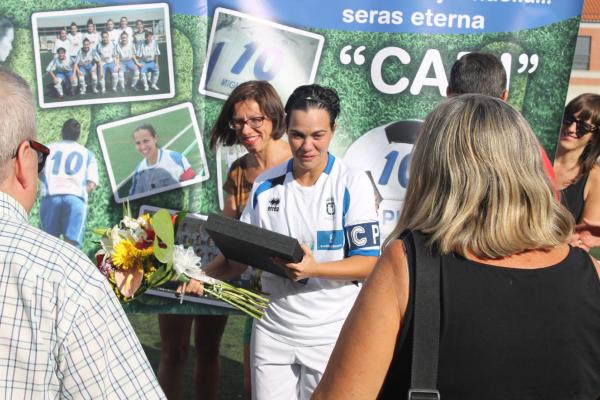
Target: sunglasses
42 154
581 127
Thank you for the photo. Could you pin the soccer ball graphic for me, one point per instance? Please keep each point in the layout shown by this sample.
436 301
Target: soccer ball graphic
384 153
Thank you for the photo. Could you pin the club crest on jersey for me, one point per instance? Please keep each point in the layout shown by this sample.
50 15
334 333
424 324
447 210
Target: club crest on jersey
274 204
330 206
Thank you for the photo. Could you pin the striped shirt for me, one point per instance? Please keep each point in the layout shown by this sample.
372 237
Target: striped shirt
63 334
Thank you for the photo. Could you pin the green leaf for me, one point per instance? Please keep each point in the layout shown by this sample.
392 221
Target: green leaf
102 231
158 278
182 278
164 239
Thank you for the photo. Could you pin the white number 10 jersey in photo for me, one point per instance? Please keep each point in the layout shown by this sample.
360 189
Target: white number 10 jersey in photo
68 169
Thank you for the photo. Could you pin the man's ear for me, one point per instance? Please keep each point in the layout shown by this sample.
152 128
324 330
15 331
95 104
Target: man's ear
23 165
504 96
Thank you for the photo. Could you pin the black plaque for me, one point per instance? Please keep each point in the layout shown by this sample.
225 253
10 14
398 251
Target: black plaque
252 245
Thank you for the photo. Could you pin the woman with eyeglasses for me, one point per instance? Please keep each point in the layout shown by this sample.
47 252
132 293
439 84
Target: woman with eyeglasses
576 161
253 117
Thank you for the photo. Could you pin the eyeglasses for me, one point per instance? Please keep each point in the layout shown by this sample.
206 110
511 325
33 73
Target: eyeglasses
42 154
254 122
581 127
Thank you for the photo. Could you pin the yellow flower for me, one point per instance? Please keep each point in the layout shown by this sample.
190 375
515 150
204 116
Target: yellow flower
127 256
149 271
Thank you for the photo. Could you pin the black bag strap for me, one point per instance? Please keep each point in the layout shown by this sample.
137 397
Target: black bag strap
426 334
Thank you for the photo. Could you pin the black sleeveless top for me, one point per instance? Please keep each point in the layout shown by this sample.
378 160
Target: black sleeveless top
572 197
514 334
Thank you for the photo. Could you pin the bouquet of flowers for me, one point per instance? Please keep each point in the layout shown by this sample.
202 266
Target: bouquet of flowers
139 254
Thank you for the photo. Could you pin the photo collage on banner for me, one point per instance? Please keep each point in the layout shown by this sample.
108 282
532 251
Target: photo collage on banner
146 81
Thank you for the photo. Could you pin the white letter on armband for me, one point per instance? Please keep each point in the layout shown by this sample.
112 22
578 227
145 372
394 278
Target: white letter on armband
358 230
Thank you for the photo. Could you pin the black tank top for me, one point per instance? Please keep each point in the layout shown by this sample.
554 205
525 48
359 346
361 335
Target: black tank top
511 334
572 197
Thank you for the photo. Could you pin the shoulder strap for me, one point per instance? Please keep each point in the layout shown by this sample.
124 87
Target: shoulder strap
426 335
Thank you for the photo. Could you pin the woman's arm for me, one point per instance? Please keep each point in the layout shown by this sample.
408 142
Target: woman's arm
591 202
353 267
364 350
219 267
587 233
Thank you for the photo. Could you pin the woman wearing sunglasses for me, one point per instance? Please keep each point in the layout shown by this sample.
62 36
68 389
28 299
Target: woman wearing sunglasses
576 161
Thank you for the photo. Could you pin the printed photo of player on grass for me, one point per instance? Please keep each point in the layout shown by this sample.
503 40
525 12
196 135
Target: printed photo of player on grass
153 153
103 55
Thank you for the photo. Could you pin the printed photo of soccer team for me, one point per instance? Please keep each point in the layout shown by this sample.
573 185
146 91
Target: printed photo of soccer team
103 55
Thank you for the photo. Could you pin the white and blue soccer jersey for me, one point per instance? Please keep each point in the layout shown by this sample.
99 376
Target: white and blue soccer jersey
65 44
129 32
126 52
106 53
86 57
139 37
337 217
114 36
58 65
70 166
76 42
147 51
93 37
165 172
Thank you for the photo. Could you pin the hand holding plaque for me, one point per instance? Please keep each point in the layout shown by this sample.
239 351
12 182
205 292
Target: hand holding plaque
252 245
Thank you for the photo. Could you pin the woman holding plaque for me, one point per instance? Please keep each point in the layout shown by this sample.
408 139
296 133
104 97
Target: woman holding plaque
576 161
253 117
520 309
330 209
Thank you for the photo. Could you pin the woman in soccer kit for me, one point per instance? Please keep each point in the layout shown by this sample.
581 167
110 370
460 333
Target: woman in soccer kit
91 34
61 70
109 62
148 53
160 167
85 67
331 210
128 64
75 39
62 41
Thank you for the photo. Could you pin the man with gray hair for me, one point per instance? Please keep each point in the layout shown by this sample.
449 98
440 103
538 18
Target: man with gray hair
62 331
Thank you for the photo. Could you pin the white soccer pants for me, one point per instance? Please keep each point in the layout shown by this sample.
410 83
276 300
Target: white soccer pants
284 372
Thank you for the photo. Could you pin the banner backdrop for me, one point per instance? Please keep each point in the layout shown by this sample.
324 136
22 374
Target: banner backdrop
388 60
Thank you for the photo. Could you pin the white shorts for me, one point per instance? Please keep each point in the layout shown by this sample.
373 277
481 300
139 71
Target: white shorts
285 372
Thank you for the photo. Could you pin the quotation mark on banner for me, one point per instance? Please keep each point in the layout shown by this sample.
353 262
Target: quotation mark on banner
525 60
356 57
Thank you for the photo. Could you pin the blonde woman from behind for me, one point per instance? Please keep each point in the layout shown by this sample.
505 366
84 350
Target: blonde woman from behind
520 309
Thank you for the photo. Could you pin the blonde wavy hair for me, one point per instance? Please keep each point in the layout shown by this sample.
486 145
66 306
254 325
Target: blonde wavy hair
477 183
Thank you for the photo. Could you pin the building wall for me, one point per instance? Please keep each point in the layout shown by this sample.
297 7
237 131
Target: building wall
583 81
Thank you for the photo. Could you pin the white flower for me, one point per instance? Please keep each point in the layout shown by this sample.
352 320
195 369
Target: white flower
108 242
130 223
186 263
134 229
